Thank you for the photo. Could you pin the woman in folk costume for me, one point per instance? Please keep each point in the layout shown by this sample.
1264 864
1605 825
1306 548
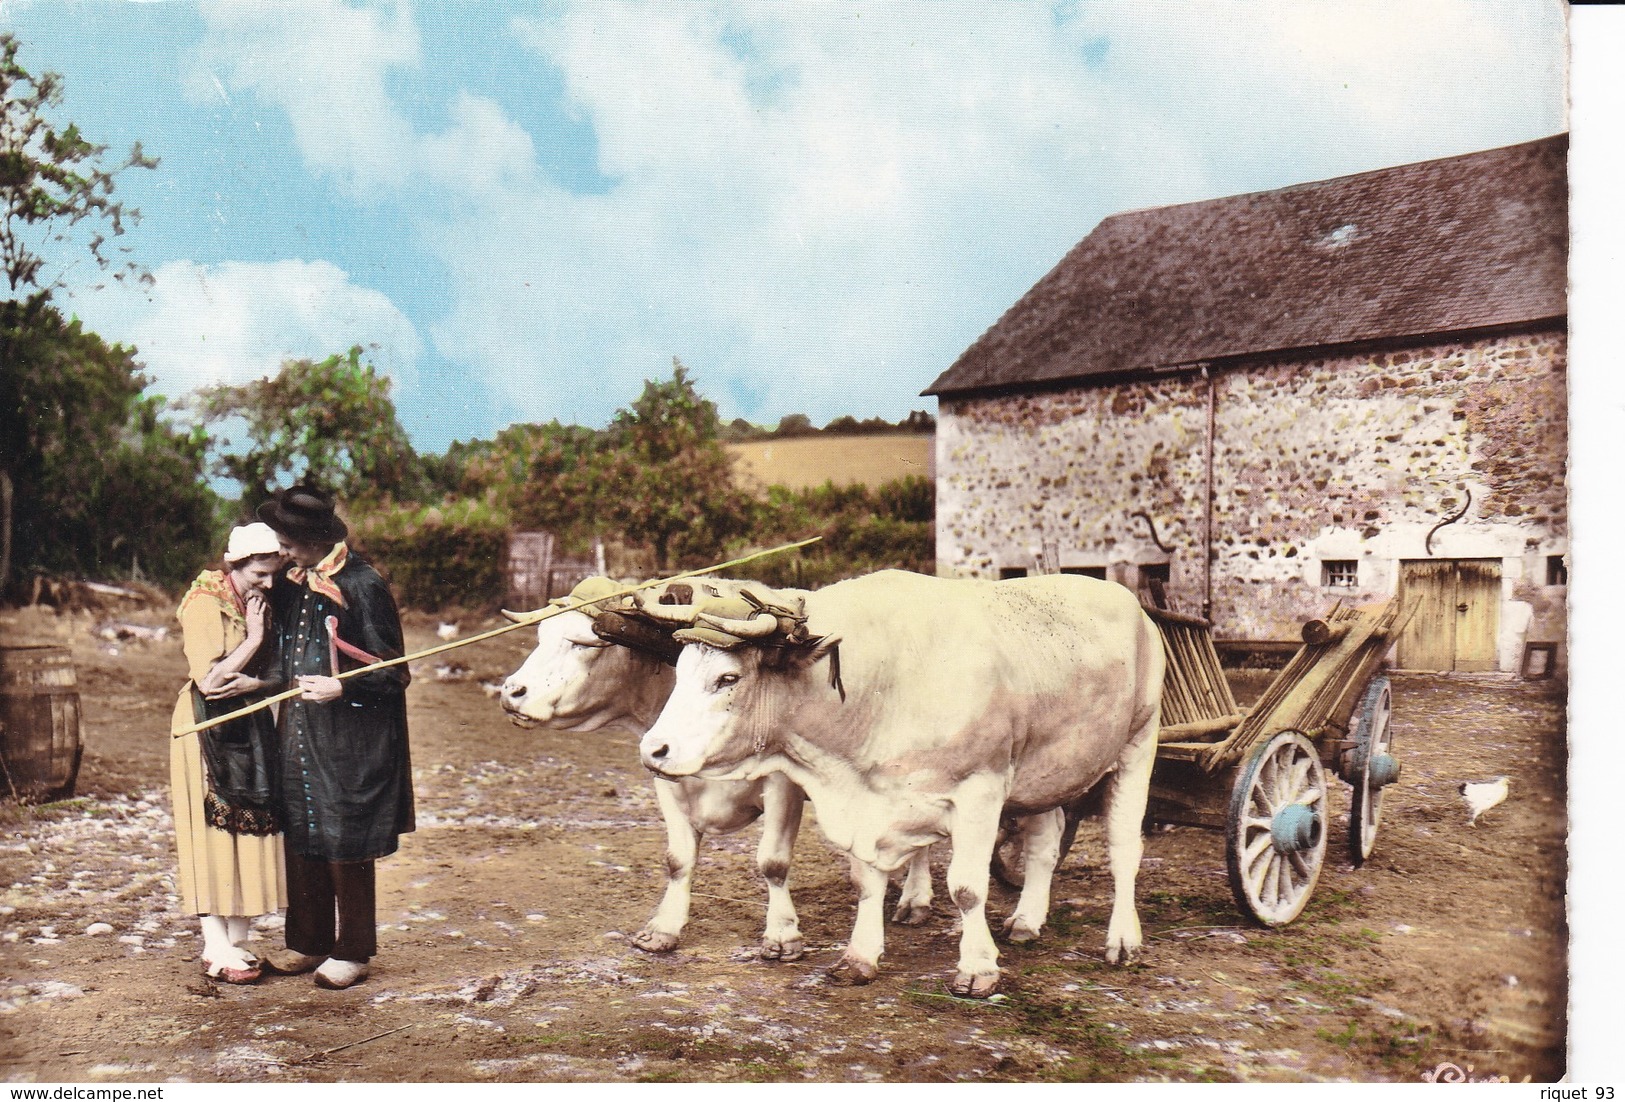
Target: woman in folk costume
224 778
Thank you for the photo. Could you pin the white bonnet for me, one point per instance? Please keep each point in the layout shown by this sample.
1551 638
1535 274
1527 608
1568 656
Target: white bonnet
248 540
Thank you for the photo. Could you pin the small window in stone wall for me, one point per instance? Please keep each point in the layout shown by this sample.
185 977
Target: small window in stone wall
1012 572
1086 571
1557 570
1340 573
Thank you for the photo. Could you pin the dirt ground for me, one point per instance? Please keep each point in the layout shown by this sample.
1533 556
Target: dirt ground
504 952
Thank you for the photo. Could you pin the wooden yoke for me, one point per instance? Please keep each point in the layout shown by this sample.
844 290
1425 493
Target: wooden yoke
528 620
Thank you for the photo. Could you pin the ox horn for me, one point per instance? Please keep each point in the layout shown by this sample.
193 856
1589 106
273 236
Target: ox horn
759 626
518 617
682 615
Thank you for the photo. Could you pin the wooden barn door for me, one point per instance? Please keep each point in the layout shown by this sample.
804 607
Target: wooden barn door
1459 615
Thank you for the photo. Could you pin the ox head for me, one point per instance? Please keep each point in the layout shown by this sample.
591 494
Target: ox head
577 678
744 671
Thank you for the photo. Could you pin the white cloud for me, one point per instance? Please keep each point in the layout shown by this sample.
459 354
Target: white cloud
325 64
795 215
235 322
483 156
1323 89
819 206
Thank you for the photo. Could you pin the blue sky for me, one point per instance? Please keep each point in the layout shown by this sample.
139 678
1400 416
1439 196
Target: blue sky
523 210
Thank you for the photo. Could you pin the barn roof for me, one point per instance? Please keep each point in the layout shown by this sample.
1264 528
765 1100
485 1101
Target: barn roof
1470 242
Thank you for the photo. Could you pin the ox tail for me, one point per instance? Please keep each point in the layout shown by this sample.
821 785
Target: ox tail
1152 655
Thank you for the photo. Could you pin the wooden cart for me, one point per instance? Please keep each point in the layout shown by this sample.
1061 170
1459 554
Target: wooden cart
1259 773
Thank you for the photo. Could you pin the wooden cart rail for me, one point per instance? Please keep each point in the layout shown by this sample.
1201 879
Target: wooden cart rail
1195 690
1322 684
1314 694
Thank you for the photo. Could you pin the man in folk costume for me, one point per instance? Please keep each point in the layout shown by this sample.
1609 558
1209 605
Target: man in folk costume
346 793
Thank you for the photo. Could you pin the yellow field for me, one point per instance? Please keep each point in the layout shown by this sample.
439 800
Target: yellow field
802 461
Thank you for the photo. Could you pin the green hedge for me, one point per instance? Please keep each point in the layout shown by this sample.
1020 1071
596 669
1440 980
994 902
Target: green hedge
863 530
438 556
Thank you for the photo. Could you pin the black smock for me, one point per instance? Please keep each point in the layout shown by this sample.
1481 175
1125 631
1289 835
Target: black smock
346 769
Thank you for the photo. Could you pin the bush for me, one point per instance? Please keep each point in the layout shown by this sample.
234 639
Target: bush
435 556
863 530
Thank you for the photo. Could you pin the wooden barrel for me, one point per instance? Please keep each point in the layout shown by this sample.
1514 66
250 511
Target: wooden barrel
40 737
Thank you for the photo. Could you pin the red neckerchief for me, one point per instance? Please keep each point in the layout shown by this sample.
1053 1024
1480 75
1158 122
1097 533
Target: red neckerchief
319 578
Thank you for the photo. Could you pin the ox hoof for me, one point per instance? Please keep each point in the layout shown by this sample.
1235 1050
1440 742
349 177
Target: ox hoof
1121 953
851 972
975 986
912 914
1018 930
654 941
786 950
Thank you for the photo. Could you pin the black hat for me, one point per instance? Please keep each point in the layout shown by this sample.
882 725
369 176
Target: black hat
304 513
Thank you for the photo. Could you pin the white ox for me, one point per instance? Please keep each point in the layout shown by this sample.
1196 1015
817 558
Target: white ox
575 681
961 699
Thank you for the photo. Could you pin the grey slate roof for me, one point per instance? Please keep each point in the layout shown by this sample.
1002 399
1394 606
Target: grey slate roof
1470 242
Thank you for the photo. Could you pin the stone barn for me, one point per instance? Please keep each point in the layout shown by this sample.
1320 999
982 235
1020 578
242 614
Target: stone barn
1254 406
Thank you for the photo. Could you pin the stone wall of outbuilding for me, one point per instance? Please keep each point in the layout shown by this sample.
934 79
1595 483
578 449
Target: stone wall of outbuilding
1352 457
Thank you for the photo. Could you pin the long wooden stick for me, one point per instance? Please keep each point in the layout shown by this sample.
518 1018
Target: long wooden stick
530 620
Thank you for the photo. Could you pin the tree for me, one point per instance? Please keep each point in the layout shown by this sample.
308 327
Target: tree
569 473
52 179
144 503
332 422
658 476
795 424
102 482
739 430
671 478
500 469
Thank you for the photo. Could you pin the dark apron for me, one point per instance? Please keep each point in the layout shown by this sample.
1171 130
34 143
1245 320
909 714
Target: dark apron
241 758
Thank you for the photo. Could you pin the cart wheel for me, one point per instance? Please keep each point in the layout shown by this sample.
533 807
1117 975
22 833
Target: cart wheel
1372 769
1275 839
1009 865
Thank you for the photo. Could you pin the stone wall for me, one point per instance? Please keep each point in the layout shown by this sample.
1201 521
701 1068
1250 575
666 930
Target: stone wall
1351 458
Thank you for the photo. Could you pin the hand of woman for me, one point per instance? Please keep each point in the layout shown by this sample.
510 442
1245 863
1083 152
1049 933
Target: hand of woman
258 613
235 684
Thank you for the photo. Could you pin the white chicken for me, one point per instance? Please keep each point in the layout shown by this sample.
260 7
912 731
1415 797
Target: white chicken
446 630
1480 796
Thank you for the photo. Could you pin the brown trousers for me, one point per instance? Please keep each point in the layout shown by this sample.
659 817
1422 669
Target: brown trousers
332 907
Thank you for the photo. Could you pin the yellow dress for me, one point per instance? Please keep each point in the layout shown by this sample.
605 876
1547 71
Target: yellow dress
220 873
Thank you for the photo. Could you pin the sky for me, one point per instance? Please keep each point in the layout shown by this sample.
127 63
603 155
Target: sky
521 211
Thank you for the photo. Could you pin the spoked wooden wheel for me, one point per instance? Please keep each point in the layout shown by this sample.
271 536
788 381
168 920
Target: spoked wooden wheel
1009 855
1372 769
1275 839
1009 860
